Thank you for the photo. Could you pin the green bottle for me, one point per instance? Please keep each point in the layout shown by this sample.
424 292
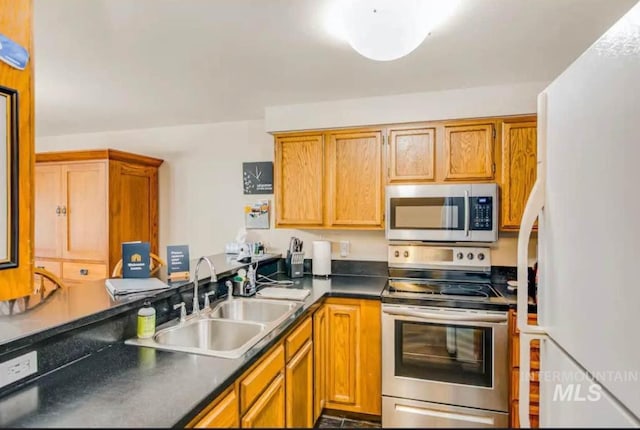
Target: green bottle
146 321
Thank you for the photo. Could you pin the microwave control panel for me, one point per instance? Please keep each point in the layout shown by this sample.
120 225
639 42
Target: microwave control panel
481 213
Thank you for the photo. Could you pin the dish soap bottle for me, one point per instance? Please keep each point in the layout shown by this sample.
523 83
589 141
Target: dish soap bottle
146 321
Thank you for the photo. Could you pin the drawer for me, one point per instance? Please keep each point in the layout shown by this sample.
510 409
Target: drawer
297 339
54 267
84 271
260 377
534 386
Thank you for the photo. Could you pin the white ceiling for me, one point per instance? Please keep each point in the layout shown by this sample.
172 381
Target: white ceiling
124 64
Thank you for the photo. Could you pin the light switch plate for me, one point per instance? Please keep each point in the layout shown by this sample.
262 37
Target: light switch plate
18 368
344 248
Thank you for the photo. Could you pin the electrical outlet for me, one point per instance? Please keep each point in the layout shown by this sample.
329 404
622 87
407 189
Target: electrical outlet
18 368
344 248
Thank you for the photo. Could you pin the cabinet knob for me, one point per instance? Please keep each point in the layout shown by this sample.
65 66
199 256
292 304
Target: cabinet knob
84 272
58 210
64 210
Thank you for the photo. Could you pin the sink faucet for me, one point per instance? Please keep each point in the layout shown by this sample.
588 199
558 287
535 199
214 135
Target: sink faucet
214 278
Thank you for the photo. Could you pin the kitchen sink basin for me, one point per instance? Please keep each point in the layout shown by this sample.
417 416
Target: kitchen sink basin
229 330
258 310
210 334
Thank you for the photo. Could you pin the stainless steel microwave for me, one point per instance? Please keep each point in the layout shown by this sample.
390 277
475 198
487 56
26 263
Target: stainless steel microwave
449 213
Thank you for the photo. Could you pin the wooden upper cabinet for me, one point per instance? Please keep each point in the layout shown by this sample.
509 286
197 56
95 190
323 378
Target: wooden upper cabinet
468 151
412 155
354 175
84 187
48 211
519 165
299 179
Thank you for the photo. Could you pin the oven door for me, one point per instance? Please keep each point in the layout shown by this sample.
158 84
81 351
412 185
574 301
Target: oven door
444 355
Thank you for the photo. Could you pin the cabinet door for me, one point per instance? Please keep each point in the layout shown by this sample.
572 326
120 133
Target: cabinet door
299 180
133 207
299 388
519 164
223 415
269 408
412 155
49 201
469 152
343 344
85 211
354 172
354 356
320 360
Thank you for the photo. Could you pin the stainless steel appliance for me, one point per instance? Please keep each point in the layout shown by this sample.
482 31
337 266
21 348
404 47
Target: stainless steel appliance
444 340
451 213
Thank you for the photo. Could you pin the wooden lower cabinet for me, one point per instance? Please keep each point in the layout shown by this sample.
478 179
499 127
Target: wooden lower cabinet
331 359
320 358
354 356
299 384
224 414
268 411
534 385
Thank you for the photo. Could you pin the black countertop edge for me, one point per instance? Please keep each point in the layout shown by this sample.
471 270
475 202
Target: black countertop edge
263 346
174 287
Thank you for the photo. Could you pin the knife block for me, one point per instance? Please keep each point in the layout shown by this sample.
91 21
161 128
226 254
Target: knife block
295 264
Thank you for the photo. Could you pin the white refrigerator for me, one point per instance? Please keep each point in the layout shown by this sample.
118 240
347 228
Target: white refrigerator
587 201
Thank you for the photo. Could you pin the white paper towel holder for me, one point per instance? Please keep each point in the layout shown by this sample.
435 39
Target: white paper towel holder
321 260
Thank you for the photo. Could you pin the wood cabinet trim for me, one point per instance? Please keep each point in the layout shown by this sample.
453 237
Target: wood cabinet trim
97 154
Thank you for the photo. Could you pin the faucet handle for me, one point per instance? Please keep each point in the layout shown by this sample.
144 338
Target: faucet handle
183 311
206 299
229 286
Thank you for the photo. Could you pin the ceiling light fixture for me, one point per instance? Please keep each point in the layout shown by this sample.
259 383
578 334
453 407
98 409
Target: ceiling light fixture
385 30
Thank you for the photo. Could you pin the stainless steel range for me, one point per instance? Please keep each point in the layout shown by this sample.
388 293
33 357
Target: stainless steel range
444 340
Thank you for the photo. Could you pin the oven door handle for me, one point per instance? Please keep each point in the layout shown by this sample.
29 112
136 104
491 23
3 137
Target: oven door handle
446 317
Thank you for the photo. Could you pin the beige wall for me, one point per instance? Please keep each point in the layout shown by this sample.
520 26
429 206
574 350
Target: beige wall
201 197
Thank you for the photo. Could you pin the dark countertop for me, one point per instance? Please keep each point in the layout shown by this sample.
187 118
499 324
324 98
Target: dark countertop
79 305
130 386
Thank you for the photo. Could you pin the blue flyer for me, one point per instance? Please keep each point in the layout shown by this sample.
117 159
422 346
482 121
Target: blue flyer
12 53
136 259
178 256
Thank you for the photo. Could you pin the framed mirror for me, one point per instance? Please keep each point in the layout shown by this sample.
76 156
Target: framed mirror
8 178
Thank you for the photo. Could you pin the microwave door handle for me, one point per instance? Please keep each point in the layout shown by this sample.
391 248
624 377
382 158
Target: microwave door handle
466 213
446 317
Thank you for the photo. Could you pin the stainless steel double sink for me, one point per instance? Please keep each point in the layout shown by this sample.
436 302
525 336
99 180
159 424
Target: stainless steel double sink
228 330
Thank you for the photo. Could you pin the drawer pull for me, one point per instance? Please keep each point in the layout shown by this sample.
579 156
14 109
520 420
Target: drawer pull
84 272
40 267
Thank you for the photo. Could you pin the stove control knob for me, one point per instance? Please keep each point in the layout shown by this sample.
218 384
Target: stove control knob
397 254
459 255
406 254
481 256
470 256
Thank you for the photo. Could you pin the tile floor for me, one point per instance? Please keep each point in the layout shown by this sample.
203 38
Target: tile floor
329 422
